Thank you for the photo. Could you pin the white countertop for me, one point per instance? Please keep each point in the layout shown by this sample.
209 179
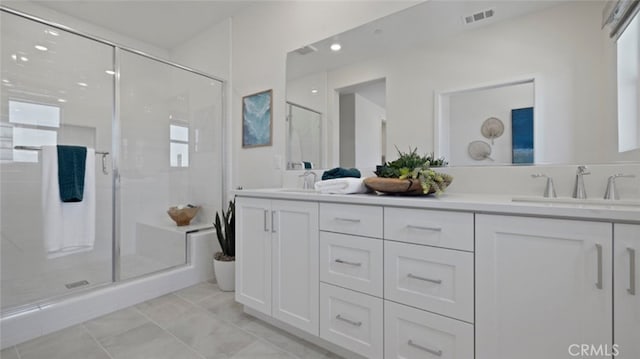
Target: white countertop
494 204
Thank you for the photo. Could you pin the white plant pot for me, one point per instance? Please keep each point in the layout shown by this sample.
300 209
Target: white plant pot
225 275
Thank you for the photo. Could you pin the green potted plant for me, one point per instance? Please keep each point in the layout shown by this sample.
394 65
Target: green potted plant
410 174
224 261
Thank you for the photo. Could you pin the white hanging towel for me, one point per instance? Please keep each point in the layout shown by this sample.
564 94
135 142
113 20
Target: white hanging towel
68 227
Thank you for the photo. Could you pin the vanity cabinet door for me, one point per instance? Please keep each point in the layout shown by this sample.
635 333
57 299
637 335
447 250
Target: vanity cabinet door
542 285
295 243
253 253
626 294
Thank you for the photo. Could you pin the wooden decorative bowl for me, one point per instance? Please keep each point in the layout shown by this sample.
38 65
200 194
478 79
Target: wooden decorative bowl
408 187
183 216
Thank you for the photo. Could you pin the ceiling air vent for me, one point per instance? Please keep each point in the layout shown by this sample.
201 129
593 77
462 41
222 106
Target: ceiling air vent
482 15
306 50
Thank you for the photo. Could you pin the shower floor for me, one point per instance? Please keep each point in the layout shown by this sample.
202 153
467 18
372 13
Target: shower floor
21 287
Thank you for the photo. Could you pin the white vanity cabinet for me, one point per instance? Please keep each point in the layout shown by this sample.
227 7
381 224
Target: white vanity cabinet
542 285
626 290
277 259
396 278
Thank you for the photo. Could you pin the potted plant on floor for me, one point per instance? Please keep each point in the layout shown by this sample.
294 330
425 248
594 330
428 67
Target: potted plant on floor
224 261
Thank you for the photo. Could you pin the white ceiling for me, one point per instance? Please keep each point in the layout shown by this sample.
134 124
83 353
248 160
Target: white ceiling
162 23
427 22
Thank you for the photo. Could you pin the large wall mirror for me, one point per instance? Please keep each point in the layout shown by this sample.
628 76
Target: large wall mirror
479 82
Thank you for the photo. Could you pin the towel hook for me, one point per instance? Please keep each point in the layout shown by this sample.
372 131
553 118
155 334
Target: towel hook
104 163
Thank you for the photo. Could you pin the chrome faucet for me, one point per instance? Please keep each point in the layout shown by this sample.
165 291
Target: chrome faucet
306 176
612 192
550 189
579 191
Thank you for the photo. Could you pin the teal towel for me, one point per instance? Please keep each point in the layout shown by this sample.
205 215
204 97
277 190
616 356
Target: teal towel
340 172
71 168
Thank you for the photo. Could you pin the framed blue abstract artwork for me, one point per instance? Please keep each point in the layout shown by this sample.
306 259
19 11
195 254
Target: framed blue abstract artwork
522 135
256 119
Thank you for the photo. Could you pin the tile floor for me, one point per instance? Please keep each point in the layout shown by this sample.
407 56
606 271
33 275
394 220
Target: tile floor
197 322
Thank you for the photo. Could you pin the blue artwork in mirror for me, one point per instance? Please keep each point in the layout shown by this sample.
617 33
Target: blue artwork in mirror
522 135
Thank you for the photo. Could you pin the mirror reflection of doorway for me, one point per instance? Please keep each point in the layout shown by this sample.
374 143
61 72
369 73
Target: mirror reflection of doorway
362 124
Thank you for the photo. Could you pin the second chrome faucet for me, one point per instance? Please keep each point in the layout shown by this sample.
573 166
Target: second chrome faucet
579 191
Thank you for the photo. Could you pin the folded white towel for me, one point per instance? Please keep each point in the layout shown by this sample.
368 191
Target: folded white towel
342 186
68 227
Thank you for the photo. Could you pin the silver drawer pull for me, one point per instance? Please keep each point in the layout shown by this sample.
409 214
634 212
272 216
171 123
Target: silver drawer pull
424 228
273 226
266 213
355 264
355 324
436 281
632 271
351 220
599 274
428 350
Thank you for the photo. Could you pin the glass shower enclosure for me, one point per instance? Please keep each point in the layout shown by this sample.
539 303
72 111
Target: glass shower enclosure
156 130
304 137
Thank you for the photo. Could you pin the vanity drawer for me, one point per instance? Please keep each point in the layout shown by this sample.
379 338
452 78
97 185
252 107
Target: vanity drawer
411 334
351 219
351 320
434 279
351 262
435 228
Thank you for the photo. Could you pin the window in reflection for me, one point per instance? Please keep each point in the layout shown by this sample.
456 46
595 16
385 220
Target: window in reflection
629 87
179 146
33 125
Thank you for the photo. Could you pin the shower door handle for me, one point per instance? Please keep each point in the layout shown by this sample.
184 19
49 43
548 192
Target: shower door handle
104 164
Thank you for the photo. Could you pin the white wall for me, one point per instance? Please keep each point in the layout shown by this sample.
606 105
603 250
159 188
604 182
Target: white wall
468 111
262 36
208 51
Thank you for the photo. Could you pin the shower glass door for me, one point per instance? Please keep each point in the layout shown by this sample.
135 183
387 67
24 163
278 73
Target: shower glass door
304 136
170 155
57 88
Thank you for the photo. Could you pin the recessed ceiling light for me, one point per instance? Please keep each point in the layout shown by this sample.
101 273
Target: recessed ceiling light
14 57
5 81
336 47
83 84
24 58
62 100
41 48
51 32
314 90
110 72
